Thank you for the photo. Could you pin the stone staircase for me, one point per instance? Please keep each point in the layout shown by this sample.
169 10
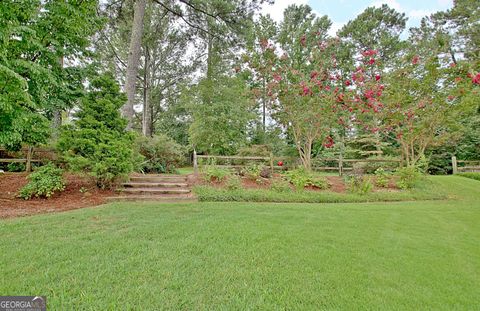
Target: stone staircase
155 187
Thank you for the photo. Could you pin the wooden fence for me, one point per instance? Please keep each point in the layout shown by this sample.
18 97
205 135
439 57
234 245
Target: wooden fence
333 164
463 166
28 156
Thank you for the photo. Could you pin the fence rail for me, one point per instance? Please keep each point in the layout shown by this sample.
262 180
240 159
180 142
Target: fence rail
467 166
340 166
28 156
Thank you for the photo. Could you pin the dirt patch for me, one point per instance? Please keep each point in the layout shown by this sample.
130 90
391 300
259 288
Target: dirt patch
337 184
79 192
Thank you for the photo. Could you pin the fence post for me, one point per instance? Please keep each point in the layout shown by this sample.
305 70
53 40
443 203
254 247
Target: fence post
340 164
271 163
195 163
28 164
454 165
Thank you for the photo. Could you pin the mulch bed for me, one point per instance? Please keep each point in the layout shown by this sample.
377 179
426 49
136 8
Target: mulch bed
71 198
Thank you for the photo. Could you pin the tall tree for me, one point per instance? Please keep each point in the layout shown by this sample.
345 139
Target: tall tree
133 60
35 35
375 29
203 16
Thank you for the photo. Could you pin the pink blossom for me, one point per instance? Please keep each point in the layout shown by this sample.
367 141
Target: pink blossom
476 79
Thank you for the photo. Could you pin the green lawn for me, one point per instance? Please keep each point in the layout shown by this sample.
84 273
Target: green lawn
422 255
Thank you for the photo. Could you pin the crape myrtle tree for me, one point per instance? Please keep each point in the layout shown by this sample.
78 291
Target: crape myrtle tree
312 98
43 45
303 95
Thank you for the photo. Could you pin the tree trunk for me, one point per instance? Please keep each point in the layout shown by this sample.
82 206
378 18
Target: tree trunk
57 113
133 60
147 116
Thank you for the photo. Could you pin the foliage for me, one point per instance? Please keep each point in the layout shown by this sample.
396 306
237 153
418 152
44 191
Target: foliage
160 154
280 185
360 184
16 167
35 37
381 178
221 113
233 182
252 171
43 182
408 177
214 173
97 143
302 178
383 25
254 151
470 175
371 167
429 191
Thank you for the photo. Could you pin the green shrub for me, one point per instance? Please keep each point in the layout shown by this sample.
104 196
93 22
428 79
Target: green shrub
471 175
280 185
252 172
213 173
43 182
233 182
408 177
161 154
300 178
97 142
16 167
360 184
381 178
422 164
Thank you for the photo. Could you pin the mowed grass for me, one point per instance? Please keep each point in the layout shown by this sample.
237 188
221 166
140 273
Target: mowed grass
422 255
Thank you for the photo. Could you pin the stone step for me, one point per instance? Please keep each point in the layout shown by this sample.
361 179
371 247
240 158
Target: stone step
154 184
157 190
159 178
179 198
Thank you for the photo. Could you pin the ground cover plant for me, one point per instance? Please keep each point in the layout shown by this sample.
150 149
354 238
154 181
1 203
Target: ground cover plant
405 255
475 176
44 182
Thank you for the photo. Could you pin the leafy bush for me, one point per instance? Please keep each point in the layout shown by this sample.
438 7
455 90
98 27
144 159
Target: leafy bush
422 165
360 184
43 182
280 185
16 167
161 154
407 177
233 182
475 176
213 173
381 178
97 143
301 178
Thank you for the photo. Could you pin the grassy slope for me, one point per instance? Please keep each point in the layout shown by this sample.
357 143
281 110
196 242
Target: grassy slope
427 190
405 255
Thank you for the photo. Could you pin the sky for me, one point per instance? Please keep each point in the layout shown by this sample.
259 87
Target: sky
341 11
